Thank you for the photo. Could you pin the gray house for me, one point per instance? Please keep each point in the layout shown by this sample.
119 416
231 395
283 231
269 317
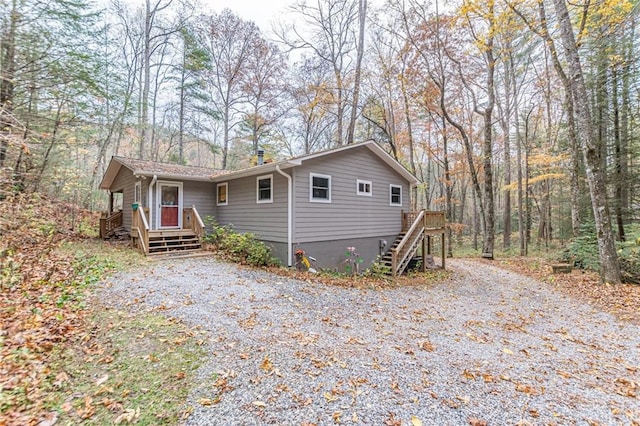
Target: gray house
353 196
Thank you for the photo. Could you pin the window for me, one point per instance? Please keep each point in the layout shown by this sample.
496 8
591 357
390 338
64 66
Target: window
223 191
363 187
395 195
137 193
320 188
264 186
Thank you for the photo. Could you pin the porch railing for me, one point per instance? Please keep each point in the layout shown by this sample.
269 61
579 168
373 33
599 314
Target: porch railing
109 223
140 229
191 220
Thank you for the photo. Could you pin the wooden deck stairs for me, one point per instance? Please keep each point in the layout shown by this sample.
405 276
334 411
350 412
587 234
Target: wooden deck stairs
182 241
418 228
164 242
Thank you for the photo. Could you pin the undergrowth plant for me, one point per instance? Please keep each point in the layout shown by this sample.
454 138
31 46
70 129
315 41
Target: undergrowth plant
239 247
582 252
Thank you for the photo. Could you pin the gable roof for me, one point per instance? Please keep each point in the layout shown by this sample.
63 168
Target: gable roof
153 168
297 161
204 174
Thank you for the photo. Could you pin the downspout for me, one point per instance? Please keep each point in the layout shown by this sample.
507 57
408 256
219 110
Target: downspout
149 194
289 215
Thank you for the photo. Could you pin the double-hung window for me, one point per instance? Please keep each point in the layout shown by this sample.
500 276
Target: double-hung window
223 194
319 188
395 195
264 188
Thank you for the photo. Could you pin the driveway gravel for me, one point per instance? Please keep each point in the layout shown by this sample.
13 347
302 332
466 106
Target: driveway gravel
486 346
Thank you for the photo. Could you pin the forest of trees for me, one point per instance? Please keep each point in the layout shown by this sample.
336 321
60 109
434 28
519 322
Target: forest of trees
520 117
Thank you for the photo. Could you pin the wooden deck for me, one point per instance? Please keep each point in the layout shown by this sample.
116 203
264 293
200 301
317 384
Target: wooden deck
418 229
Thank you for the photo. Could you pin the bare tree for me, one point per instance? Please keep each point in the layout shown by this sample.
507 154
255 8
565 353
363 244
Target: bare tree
610 268
328 33
230 43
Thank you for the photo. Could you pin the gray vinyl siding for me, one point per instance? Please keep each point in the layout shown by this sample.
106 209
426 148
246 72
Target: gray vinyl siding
348 216
268 221
125 182
202 195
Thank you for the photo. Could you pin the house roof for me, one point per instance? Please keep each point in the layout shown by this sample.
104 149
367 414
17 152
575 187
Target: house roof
154 168
191 173
297 161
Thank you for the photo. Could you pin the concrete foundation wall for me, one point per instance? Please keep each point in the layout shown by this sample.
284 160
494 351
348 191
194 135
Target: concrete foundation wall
331 254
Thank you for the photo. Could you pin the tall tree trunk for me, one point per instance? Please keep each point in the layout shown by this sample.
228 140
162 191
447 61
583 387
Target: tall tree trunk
609 267
183 100
624 122
146 80
7 70
362 14
489 236
447 187
509 82
619 182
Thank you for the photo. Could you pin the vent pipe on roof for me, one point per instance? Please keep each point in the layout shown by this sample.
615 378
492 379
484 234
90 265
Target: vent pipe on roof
260 156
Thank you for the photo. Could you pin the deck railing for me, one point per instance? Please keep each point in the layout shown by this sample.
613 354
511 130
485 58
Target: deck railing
417 226
109 223
401 255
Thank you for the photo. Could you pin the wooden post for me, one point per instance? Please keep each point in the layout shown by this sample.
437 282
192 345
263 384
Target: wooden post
394 262
424 254
428 244
443 242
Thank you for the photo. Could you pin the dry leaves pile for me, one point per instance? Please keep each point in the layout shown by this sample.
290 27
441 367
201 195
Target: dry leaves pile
621 300
37 309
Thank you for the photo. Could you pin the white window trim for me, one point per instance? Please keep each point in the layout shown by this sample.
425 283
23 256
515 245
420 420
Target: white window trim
258 179
391 203
319 200
218 203
364 193
137 193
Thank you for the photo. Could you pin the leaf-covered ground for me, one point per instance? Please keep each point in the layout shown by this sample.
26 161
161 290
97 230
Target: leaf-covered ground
64 358
621 300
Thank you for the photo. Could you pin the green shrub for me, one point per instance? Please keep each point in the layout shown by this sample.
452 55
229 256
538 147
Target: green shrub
238 247
582 252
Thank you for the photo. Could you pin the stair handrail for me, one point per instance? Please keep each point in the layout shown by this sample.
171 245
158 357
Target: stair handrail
141 228
411 238
198 224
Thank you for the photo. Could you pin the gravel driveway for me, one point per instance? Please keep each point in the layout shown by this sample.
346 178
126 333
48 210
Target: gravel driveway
485 346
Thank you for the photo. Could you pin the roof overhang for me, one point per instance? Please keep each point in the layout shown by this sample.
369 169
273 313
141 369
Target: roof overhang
115 165
287 164
258 170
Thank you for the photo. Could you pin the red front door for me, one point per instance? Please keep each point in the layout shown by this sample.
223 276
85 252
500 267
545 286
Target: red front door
169 206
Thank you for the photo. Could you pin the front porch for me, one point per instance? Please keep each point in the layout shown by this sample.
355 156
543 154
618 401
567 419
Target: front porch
186 238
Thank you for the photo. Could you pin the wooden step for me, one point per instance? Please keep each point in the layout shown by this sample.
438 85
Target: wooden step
178 254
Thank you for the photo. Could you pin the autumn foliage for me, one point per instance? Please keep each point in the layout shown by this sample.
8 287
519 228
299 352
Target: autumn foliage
39 301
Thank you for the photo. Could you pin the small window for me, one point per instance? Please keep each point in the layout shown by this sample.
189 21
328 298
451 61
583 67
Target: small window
137 193
264 186
363 187
320 188
223 192
395 195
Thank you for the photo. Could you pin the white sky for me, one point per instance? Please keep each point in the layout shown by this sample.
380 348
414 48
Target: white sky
262 12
